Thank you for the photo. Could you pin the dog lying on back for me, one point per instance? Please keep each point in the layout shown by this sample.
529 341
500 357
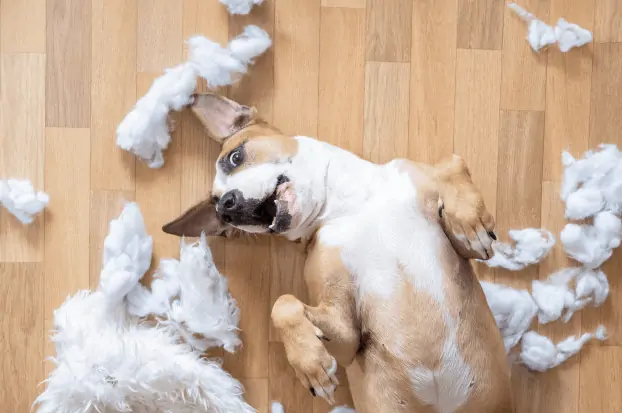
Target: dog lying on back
393 296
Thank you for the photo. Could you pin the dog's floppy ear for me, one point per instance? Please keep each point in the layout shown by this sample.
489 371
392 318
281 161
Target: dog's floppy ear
221 117
200 218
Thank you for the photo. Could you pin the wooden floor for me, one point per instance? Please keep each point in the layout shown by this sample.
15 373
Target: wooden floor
383 78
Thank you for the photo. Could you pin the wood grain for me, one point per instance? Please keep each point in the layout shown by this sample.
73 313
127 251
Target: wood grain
256 394
386 111
67 218
524 71
22 139
22 26
389 30
159 35
480 24
296 66
600 379
519 176
608 21
21 334
207 18
113 93
432 80
352 4
68 69
342 86
606 102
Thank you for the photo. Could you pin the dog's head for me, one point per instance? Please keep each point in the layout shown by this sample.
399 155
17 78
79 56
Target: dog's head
262 183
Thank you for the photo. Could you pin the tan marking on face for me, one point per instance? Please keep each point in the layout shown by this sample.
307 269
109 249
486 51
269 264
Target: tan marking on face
262 144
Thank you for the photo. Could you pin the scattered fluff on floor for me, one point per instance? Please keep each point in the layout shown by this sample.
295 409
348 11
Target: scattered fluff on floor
592 192
240 6
18 196
565 35
145 130
531 246
111 361
278 408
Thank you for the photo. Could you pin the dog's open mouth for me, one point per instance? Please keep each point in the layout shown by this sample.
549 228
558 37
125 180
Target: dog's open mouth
272 211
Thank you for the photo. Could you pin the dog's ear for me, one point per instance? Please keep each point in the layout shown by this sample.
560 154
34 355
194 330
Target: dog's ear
200 218
221 117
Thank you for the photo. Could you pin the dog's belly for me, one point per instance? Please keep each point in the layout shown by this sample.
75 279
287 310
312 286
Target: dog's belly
412 305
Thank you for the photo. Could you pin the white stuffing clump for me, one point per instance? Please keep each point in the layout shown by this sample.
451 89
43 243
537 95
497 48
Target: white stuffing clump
240 6
592 245
145 130
531 246
109 360
194 298
539 353
19 197
565 35
513 310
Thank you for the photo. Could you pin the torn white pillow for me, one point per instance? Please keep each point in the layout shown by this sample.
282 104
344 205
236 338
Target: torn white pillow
531 246
240 6
18 196
145 130
539 353
565 35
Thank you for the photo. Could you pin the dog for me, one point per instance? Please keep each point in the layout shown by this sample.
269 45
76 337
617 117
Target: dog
394 298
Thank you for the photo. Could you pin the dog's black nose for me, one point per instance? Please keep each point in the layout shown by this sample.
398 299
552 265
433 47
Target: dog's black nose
229 201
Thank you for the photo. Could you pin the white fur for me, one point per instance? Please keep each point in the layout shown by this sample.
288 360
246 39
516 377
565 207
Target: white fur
565 35
110 361
240 6
144 131
532 245
18 196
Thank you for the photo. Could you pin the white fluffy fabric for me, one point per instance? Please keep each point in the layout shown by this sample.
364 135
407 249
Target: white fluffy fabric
145 130
513 310
240 6
110 361
539 353
278 408
565 35
19 197
531 246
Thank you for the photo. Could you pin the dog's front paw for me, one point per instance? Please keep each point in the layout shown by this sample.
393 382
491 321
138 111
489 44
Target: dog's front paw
314 366
467 223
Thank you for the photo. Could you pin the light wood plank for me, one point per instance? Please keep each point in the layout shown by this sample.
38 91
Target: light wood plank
524 71
568 86
67 218
257 87
342 78
608 21
477 117
287 275
68 69
21 335
105 206
22 26
600 380
432 79
207 18
256 394
480 24
296 63
248 270
605 122
285 386
158 190
113 91
519 177
351 4
389 30
386 111
22 135
159 35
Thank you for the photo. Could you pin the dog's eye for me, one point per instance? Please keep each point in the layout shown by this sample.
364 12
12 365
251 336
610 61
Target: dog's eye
235 158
